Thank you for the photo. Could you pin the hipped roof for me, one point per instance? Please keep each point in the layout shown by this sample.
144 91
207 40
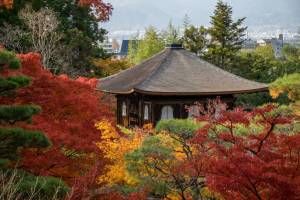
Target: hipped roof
176 71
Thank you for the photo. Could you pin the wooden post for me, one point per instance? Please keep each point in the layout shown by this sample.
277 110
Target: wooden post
153 113
141 112
180 108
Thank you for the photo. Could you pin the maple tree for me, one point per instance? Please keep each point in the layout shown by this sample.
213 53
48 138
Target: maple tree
224 155
251 155
115 182
70 110
115 144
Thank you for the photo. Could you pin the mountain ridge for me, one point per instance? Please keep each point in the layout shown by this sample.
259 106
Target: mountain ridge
138 14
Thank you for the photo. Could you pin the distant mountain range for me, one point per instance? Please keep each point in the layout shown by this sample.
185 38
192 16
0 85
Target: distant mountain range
138 14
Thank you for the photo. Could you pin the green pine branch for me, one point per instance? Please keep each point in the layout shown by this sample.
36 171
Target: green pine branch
10 84
9 58
12 139
12 114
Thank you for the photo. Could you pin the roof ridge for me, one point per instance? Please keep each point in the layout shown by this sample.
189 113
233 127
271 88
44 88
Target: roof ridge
168 51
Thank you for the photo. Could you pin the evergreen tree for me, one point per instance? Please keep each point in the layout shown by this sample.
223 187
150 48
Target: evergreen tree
12 139
171 34
226 36
186 21
291 52
195 39
151 44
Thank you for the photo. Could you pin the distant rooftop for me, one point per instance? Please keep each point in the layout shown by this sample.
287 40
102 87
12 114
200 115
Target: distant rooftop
125 47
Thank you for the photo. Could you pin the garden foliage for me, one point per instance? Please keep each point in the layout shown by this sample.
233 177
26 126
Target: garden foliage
232 155
14 139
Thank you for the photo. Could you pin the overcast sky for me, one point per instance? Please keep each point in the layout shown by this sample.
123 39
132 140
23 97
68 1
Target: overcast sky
133 14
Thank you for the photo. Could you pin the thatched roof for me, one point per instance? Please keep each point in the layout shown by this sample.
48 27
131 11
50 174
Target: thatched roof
175 71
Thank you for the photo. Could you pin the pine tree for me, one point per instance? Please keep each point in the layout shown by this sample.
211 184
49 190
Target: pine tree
186 21
226 36
14 138
195 39
151 44
171 34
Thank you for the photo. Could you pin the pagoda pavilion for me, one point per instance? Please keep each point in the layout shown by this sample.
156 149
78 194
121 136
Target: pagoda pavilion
162 86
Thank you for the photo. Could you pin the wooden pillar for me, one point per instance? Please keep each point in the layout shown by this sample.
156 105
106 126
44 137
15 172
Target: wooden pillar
118 111
141 103
153 113
181 110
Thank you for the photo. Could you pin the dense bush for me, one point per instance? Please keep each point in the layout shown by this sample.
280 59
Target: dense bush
184 128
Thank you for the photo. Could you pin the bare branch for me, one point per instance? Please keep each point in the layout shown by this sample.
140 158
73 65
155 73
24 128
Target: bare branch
43 32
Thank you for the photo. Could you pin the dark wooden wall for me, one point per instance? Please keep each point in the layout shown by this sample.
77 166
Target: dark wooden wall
136 102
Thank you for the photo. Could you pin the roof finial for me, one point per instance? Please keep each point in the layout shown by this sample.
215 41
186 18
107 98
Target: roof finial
174 46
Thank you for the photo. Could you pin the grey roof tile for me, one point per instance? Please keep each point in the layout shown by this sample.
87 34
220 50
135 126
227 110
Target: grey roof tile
177 72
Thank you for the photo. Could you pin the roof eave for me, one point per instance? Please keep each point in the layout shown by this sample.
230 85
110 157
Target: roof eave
263 89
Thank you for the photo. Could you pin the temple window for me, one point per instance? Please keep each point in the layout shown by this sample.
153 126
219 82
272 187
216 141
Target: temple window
167 112
124 109
146 112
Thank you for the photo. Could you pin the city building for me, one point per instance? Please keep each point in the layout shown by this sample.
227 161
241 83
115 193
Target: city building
124 50
111 46
276 43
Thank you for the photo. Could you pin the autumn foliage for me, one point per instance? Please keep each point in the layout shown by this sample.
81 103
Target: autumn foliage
70 108
111 66
103 10
225 155
252 155
222 154
115 144
6 3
